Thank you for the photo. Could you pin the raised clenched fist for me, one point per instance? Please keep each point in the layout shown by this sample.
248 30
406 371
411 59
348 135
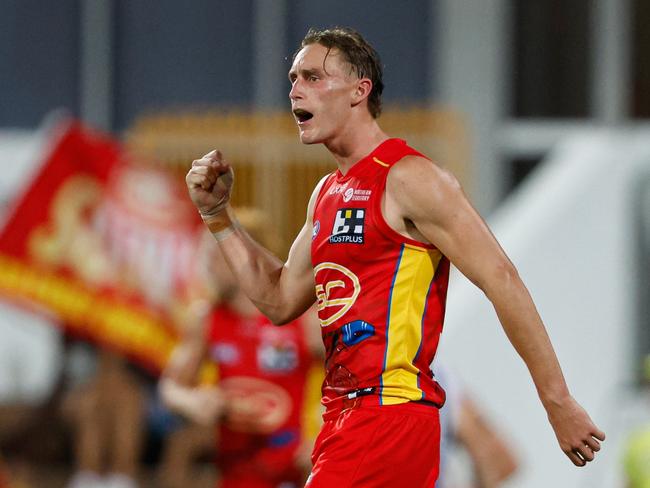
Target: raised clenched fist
209 182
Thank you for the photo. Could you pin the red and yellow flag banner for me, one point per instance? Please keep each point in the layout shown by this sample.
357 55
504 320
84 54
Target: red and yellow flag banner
104 245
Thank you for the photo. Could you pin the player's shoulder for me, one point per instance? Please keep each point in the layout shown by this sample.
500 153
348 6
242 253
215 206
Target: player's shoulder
321 182
319 187
418 170
316 193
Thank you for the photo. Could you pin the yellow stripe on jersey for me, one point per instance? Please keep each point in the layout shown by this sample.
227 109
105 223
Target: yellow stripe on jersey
312 410
380 162
416 269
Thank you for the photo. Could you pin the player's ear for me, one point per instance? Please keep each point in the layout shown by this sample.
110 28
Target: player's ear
362 90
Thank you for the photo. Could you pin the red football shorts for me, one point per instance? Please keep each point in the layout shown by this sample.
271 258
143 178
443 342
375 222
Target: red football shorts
258 467
378 447
281 473
255 482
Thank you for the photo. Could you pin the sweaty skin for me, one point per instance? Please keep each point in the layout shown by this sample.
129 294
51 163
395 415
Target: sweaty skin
421 201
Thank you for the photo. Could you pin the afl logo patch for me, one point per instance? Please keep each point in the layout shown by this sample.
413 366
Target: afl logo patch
337 289
315 230
225 353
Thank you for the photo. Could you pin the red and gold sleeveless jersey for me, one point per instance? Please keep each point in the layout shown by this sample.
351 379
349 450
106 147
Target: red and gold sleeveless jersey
264 368
381 296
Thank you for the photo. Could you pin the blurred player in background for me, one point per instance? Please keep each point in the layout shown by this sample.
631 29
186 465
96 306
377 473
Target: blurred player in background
374 253
258 403
462 423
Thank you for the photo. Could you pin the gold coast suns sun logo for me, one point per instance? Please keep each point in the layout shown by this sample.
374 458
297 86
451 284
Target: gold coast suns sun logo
336 296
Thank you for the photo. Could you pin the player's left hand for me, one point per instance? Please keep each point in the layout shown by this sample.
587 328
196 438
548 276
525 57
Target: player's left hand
576 433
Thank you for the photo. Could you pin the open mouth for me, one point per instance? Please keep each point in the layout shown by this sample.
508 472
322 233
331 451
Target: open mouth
302 115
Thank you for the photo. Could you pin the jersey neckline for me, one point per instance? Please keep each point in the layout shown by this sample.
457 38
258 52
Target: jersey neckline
377 152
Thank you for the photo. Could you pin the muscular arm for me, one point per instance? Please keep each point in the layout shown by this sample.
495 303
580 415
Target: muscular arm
281 291
427 203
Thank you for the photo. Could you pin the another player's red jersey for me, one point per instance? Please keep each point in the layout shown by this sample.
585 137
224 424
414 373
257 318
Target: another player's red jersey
381 296
264 368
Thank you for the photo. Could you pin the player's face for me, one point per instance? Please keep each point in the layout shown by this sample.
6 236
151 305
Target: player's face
322 90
